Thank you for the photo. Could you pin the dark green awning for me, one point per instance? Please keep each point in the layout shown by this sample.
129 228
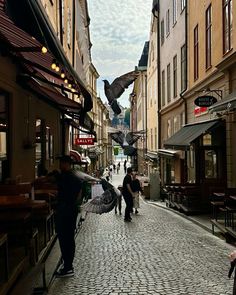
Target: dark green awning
187 134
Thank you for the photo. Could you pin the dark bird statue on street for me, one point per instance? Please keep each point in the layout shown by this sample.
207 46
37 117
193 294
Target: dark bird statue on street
117 88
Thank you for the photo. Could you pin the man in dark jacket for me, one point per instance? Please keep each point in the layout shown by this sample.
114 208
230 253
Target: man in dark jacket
69 192
128 194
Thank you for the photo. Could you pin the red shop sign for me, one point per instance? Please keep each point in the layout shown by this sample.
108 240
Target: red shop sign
200 110
84 141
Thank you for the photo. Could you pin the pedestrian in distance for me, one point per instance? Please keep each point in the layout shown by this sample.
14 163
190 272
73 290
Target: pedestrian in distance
114 167
128 194
125 166
119 201
136 188
118 168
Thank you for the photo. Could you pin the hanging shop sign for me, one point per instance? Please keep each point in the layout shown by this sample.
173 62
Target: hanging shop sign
205 101
84 141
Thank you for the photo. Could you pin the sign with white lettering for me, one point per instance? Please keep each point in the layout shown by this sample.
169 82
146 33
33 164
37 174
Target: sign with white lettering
84 141
205 101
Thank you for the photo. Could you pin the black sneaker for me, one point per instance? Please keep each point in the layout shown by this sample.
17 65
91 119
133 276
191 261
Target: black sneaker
136 211
64 273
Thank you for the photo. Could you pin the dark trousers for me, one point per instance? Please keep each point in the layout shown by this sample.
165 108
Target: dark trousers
129 205
65 227
118 203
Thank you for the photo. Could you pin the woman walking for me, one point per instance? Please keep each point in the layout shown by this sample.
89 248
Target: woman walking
136 188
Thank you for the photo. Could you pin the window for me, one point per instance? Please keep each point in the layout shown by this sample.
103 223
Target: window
167 22
175 76
183 68
151 140
63 15
183 4
4 172
174 11
168 83
227 25
68 27
208 36
155 138
163 88
196 53
162 32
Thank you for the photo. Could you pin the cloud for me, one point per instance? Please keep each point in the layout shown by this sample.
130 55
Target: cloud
118 30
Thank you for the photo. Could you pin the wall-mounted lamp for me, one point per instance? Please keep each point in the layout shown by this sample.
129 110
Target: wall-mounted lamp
53 65
62 74
44 50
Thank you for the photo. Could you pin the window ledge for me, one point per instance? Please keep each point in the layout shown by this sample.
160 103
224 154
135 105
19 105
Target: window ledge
228 52
209 68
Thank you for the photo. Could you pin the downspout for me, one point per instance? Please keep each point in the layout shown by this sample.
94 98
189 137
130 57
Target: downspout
73 34
186 68
186 87
157 10
60 22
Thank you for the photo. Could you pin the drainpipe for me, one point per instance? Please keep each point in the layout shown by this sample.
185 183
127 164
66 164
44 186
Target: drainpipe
73 34
186 68
60 22
186 86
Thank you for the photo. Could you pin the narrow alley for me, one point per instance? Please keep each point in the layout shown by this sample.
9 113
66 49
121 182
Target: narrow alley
157 253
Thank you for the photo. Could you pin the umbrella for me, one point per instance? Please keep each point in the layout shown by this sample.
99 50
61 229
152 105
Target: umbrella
104 203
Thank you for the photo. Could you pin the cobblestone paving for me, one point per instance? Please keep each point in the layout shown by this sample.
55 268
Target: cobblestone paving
157 253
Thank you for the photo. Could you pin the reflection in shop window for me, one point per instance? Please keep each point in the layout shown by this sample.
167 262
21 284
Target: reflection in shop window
207 139
210 164
3 137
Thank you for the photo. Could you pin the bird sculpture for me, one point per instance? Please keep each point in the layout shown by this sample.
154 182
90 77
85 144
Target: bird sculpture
127 140
117 88
105 202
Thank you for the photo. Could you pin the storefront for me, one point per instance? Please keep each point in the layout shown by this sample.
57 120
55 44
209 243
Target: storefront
204 163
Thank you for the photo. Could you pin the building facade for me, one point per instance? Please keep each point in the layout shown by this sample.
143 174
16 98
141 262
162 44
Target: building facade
172 29
42 94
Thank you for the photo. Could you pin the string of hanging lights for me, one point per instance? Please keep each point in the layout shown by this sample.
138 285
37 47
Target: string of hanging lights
56 67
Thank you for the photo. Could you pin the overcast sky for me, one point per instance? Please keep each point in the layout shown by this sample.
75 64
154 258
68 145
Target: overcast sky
118 31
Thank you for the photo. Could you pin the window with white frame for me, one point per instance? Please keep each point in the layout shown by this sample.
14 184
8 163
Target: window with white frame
68 27
175 76
167 22
163 94
174 11
162 32
183 4
168 83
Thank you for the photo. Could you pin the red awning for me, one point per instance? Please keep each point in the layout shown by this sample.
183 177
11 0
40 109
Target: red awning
76 156
53 96
27 51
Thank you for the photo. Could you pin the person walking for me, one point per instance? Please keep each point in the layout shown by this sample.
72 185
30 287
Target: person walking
114 167
69 195
118 168
136 188
128 194
125 167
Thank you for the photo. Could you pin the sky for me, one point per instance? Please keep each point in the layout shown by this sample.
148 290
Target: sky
118 31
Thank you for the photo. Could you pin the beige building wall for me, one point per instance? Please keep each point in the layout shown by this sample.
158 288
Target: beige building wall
221 75
152 104
174 38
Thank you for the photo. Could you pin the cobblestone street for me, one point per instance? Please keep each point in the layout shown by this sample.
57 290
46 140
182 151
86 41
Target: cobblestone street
157 253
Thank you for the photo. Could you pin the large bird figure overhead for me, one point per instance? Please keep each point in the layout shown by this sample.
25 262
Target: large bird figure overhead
117 88
126 139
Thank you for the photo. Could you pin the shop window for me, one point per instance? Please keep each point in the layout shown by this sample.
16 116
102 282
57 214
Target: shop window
210 164
207 139
49 146
4 173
